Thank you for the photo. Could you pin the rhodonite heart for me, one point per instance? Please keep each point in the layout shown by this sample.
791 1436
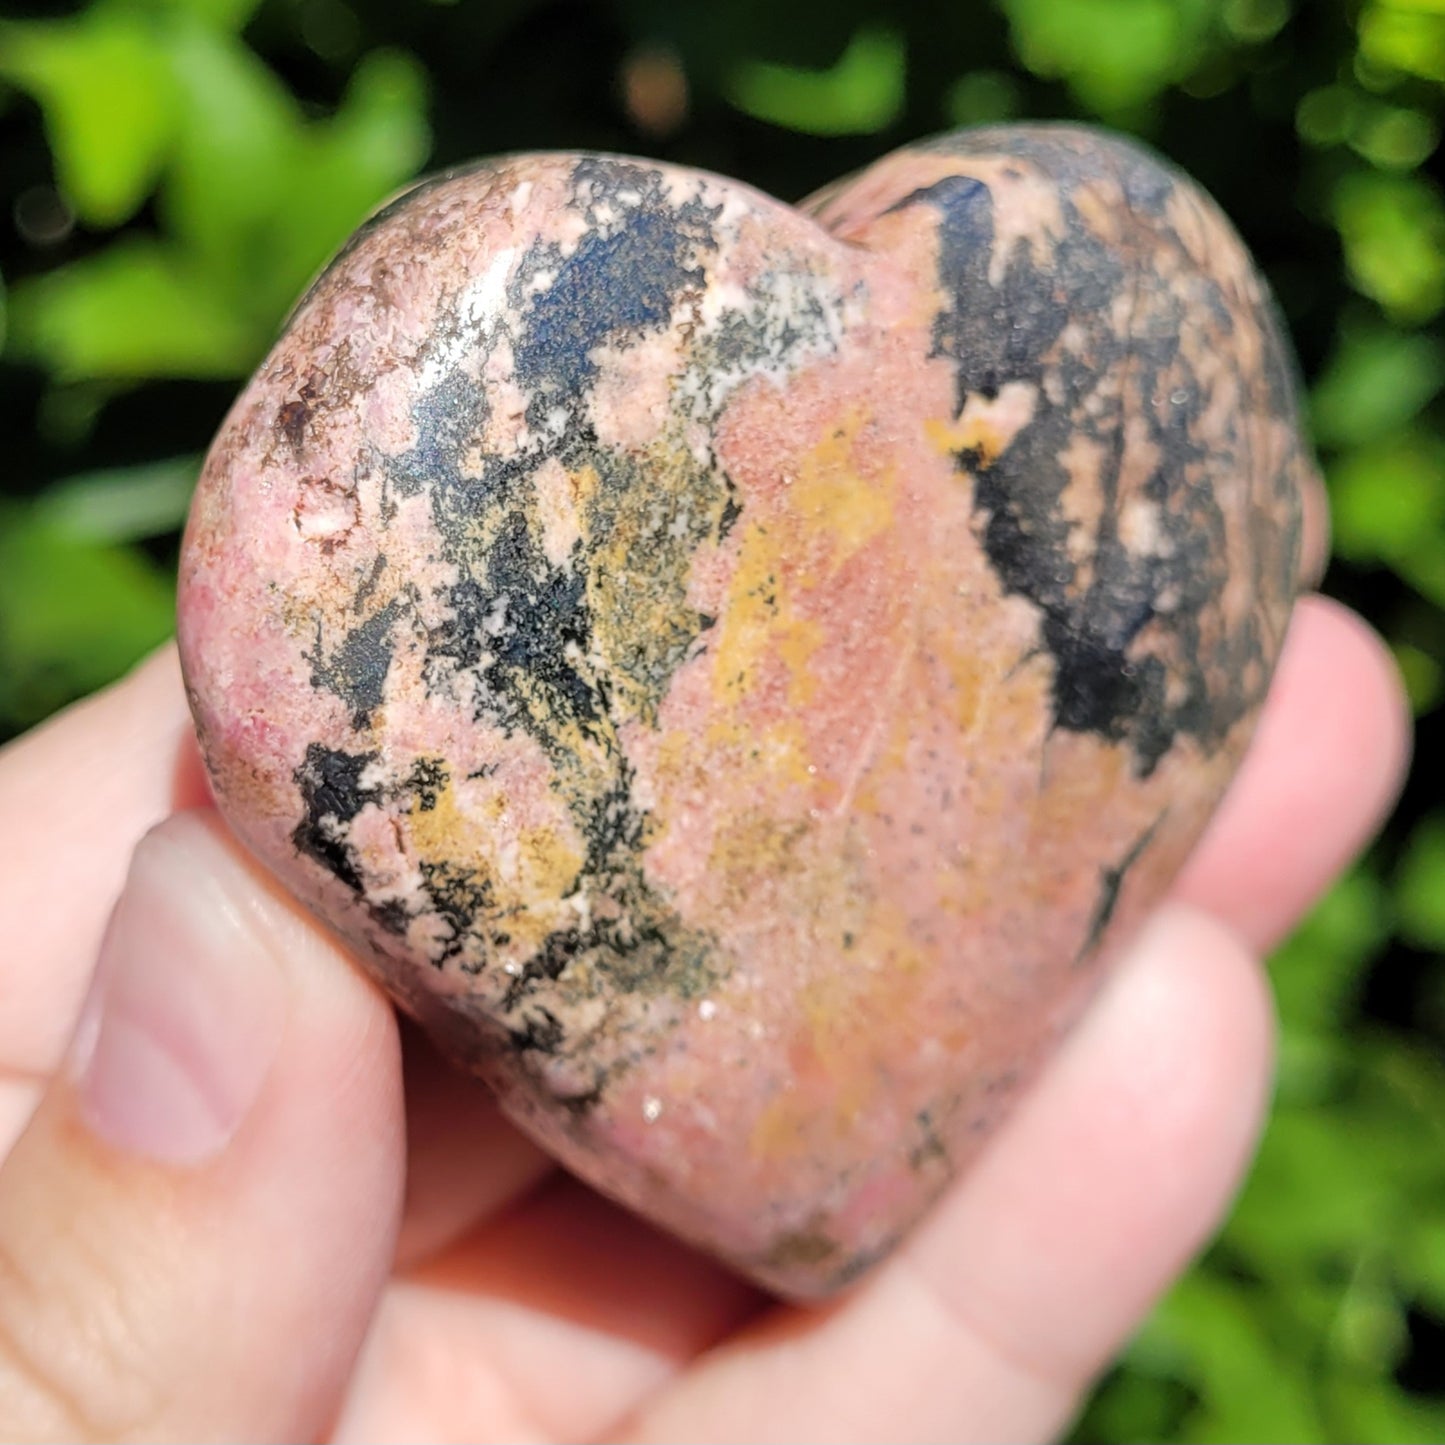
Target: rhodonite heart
734 671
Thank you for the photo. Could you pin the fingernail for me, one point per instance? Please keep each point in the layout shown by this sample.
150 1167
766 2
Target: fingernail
186 1010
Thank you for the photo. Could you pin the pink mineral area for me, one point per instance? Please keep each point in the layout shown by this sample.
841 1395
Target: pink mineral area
735 674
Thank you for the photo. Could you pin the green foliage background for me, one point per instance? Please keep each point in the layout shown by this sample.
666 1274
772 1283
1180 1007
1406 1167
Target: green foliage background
173 172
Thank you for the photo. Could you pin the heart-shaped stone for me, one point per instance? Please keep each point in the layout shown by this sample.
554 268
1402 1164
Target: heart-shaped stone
733 671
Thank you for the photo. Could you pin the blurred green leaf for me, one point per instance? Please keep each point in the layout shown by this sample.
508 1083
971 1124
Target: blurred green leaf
220 14
1207 1333
1378 380
1387 498
1254 21
137 309
1376 1410
1393 229
74 615
1392 137
296 190
1317 1190
983 96
1308 1062
1395 137
1315 972
241 124
1413 1077
110 110
1422 1256
375 143
331 28
1423 568
1420 884
1369 1332
1134 1405
1423 676
256 197
861 94
67 412
1404 35
123 505
1326 116
1115 54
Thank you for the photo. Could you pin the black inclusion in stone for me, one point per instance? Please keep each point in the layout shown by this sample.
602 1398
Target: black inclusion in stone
522 622
623 279
540 1032
1095 686
557 950
525 624
1009 332
991 334
426 781
448 419
546 615
519 623
462 897
974 343
356 671
332 795
392 915
1111 884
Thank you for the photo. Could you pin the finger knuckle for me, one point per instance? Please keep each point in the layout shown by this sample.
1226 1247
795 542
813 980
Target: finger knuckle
70 1352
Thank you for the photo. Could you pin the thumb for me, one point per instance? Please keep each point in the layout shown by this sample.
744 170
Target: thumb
197 1222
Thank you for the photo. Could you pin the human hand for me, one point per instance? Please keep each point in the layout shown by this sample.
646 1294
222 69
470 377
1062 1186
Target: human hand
241 1203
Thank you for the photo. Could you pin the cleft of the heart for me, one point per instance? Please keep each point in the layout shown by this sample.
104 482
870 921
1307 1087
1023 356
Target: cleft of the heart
736 673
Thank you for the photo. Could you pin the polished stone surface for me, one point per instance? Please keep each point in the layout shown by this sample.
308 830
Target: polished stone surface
735 672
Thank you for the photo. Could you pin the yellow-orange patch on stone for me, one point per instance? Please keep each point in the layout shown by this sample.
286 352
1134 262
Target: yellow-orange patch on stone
832 508
835 492
850 1022
755 848
529 872
986 427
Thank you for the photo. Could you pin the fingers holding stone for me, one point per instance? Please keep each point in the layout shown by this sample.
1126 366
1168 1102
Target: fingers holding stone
1019 1288
84 788
550 1322
1326 763
80 791
1116 1166
465 1162
196 1223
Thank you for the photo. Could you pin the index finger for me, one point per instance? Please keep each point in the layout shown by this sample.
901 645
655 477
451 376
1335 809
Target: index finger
76 796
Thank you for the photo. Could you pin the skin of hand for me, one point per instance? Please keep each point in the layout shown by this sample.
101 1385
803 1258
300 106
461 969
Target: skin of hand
239 1201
